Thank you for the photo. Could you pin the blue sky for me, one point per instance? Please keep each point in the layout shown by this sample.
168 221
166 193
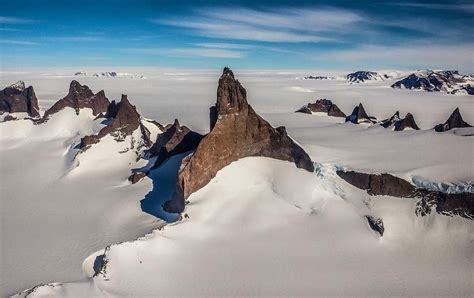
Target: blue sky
247 34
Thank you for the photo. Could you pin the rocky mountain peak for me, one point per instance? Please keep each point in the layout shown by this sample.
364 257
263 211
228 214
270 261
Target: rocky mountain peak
322 106
359 115
79 97
455 120
18 99
237 131
231 96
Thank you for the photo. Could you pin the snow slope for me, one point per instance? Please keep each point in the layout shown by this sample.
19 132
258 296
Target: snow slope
54 214
281 231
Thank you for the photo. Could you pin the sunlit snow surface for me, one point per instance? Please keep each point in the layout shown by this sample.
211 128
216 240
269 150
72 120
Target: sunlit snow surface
261 227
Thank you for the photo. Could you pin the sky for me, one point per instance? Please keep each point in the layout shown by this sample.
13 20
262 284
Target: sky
365 35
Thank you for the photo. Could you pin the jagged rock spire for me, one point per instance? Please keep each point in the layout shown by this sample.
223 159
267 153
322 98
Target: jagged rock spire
454 121
359 115
231 96
237 131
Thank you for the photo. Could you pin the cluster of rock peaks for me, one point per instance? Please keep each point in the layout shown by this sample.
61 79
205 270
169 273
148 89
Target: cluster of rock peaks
78 97
322 106
17 98
400 124
237 131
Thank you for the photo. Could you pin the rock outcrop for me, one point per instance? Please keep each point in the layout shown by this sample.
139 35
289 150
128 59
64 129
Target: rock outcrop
176 139
80 96
359 115
125 120
322 106
400 124
451 204
375 224
136 177
237 131
406 123
19 99
449 81
454 121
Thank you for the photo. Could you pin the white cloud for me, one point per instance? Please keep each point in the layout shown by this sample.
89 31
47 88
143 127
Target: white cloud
19 42
435 56
279 25
13 20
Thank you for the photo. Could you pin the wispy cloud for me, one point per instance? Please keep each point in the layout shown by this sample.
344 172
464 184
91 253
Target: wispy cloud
19 42
278 25
467 7
76 38
207 50
14 20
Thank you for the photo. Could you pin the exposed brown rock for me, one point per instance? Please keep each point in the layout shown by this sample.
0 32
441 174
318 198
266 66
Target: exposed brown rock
19 99
176 139
80 96
459 204
135 177
360 116
322 106
454 121
375 184
125 121
237 132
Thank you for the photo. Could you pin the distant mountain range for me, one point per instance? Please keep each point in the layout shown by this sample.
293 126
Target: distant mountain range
110 74
448 81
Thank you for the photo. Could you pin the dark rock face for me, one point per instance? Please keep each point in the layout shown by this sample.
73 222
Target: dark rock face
362 76
375 224
407 122
322 106
136 177
176 139
383 184
237 132
449 81
80 96
360 116
125 121
454 121
451 204
391 121
400 124
19 99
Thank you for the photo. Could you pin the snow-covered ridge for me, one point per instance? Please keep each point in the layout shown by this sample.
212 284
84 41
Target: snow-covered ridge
20 85
449 81
110 74
444 187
